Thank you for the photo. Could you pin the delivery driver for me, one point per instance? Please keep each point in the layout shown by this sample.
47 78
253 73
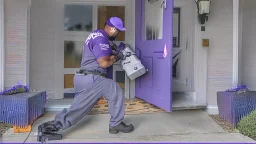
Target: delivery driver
91 83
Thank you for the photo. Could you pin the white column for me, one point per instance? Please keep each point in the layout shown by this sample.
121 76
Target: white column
235 42
2 51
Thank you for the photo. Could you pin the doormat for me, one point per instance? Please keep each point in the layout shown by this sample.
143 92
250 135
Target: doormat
132 107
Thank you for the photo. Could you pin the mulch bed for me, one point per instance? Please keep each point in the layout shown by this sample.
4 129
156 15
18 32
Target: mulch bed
225 125
4 128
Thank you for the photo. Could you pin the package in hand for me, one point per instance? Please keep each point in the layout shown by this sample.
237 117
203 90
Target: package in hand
129 61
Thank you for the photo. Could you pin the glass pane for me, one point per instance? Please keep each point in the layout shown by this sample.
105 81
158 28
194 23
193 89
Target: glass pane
153 20
78 18
176 27
73 54
120 79
69 81
105 12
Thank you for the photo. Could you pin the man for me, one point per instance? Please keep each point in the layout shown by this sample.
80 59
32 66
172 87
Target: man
91 83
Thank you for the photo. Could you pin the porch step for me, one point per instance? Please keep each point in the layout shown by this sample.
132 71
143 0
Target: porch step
181 101
132 106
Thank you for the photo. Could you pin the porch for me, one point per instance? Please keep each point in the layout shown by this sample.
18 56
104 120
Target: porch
48 44
214 69
179 126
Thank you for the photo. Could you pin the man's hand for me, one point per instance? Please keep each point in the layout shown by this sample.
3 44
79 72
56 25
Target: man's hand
113 58
107 61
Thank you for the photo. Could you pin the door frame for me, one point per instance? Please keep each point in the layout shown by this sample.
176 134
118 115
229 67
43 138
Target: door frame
2 51
200 58
59 49
186 34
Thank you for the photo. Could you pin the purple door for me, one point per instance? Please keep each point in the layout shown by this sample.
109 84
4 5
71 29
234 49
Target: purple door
154 48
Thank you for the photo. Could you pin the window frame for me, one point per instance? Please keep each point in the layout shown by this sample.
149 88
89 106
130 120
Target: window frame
61 36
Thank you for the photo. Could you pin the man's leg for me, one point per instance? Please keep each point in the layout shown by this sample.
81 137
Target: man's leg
114 94
88 95
87 98
82 104
84 101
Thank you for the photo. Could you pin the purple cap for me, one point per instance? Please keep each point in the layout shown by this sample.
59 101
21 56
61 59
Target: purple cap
116 22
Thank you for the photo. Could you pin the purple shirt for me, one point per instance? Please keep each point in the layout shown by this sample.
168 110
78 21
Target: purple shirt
96 46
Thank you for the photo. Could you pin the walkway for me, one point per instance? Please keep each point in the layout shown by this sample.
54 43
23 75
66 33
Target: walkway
178 126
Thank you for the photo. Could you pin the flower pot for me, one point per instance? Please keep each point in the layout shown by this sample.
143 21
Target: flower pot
22 109
233 106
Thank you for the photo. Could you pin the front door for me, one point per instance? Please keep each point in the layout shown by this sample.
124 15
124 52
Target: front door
153 43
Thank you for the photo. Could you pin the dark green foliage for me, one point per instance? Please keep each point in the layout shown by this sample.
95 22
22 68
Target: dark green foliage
247 125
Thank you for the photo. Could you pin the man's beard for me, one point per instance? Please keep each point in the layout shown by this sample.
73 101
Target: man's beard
111 38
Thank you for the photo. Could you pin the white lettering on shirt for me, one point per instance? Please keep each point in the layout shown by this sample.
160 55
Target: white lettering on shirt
93 36
104 46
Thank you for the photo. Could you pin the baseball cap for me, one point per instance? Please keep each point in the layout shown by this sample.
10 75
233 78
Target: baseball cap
116 22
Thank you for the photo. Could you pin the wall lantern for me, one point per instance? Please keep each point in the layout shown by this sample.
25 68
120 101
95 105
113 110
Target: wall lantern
203 10
152 1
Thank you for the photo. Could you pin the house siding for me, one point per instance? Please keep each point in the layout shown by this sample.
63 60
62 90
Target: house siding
219 29
42 52
248 65
16 42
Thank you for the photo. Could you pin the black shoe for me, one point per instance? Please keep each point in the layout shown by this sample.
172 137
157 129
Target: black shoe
49 127
122 127
47 132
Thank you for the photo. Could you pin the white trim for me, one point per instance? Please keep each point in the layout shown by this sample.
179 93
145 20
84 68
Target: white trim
59 80
29 3
212 109
130 39
2 51
56 107
28 44
235 42
185 67
200 63
241 3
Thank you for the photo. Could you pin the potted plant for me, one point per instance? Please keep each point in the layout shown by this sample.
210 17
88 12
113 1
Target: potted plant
236 103
19 106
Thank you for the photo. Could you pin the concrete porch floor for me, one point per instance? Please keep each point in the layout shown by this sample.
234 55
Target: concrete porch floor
178 126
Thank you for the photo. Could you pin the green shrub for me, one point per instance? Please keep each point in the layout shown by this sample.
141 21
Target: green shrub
247 125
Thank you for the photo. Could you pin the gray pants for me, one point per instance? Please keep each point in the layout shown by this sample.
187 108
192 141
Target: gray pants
90 89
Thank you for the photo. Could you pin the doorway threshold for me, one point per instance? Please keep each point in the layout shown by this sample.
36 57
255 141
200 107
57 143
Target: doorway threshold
181 101
185 101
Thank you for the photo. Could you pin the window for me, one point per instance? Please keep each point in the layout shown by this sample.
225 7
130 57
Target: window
153 20
78 17
78 24
79 21
176 27
105 12
176 41
120 79
72 54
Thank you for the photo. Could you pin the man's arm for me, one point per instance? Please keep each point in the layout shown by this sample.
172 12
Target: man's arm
106 61
103 53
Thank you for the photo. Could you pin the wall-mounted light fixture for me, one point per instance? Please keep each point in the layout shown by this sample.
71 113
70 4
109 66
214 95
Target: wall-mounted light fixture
152 1
203 10
163 3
